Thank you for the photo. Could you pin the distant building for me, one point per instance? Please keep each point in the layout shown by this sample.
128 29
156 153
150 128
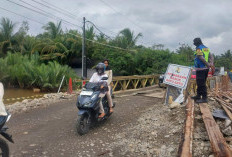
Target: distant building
89 72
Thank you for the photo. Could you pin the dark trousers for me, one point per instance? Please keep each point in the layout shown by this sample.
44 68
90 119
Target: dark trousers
230 75
201 77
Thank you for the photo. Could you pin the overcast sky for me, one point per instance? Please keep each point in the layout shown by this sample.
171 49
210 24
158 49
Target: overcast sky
168 22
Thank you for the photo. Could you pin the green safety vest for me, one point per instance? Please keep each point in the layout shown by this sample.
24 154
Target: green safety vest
205 52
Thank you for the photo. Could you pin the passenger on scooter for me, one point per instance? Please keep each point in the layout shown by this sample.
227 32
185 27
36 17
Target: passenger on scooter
97 77
109 72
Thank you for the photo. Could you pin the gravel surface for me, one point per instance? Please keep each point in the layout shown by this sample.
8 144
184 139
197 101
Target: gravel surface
140 126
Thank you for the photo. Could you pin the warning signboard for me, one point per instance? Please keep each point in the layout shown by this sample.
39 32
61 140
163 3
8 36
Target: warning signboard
177 76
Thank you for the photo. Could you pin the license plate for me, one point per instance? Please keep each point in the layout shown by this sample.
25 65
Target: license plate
88 93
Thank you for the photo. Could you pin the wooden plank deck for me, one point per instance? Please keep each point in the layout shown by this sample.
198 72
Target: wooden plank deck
218 143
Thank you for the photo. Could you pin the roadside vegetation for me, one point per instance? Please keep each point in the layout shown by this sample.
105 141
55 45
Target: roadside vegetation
28 61
26 71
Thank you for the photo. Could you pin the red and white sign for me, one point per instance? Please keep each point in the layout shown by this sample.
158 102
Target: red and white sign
177 75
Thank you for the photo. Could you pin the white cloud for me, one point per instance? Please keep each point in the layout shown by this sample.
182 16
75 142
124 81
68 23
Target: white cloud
167 22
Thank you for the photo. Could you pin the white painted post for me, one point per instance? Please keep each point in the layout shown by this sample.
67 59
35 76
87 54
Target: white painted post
61 84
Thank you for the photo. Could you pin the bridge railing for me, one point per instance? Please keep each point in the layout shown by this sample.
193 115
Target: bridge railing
134 82
212 83
131 82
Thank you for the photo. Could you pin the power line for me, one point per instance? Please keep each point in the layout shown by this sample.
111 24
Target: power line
65 13
72 15
22 16
120 13
107 30
109 36
115 47
59 8
48 13
124 17
43 13
99 30
52 8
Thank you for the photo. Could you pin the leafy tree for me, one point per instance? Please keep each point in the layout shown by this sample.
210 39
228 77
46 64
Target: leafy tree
187 52
224 60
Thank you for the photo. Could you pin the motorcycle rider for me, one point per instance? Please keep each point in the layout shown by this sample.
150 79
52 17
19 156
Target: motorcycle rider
96 77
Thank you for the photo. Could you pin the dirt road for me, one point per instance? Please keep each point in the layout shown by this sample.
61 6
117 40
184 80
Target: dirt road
50 131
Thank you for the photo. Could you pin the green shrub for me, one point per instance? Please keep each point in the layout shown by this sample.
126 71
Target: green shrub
27 72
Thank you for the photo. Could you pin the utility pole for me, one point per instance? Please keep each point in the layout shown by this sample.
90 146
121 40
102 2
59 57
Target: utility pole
84 69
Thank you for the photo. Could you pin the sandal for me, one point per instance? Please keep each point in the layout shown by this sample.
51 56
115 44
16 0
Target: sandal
101 115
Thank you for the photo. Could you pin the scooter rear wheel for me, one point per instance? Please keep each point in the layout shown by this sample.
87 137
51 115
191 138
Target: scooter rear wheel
83 124
4 149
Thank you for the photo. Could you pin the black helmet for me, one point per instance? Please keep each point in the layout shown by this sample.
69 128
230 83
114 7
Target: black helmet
100 68
197 42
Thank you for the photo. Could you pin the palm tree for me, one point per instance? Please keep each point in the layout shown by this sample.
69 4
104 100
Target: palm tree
227 54
51 50
53 30
186 51
101 38
29 44
127 38
89 33
73 42
6 29
10 41
6 34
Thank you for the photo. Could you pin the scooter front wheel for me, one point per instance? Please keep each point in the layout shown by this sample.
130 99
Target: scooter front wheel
83 124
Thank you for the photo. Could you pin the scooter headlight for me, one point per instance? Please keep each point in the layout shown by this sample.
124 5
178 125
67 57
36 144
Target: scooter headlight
87 104
8 117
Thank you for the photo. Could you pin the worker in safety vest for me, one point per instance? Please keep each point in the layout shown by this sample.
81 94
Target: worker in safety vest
203 62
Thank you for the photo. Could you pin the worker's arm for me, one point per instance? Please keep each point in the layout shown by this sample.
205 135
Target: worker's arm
211 59
203 60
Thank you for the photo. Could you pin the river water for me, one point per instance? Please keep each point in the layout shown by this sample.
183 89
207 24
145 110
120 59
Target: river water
14 95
